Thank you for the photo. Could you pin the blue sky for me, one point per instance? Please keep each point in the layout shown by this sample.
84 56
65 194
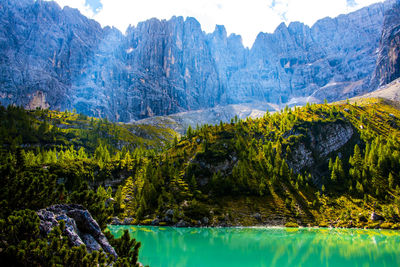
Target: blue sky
95 5
244 17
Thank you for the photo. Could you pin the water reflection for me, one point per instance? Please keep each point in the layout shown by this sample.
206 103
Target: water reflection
168 246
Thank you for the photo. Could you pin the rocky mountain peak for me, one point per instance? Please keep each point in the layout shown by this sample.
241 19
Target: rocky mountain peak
162 67
220 32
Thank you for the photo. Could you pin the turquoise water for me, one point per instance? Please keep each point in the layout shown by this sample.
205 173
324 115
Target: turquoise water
168 246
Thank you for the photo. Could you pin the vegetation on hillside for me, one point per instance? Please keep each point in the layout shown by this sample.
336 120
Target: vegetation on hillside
50 157
47 129
231 171
272 170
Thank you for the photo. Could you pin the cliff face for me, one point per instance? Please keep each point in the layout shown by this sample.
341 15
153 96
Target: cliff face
388 62
170 67
332 60
318 142
57 58
43 51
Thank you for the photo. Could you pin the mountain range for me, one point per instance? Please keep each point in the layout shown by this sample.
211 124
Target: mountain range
59 59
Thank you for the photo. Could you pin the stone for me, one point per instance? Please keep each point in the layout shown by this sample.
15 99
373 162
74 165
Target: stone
127 221
169 213
155 222
181 223
91 243
205 220
115 221
376 217
167 219
80 227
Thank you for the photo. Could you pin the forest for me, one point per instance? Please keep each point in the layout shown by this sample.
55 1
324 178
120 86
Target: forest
280 168
318 165
50 157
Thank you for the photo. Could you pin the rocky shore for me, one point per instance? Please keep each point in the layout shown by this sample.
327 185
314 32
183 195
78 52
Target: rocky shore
80 227
375 221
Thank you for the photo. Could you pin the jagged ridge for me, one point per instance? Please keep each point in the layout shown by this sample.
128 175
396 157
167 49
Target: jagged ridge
57 58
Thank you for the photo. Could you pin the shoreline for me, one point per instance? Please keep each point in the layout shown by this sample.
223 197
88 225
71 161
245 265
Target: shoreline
270 226
257 227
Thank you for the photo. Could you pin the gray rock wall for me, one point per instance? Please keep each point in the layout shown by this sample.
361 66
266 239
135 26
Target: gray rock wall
388 62
80 227
57 58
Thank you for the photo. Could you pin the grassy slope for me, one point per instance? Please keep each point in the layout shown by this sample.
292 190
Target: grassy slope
48 129
67 145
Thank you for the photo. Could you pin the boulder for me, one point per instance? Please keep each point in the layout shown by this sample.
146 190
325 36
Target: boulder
80 227
169 213
376 217
167 219
181 223
115 221
127 221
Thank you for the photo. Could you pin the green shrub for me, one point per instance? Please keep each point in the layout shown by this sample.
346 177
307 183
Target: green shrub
291 225
146 222
386 225
323 224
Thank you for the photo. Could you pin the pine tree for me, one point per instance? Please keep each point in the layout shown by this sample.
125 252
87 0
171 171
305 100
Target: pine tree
357 164
360 188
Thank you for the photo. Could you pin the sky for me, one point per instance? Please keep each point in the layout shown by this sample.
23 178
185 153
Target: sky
244 17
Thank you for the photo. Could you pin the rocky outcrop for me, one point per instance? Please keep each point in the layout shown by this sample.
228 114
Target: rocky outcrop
37 101
57 58
388 62
317 142
80 227
376 217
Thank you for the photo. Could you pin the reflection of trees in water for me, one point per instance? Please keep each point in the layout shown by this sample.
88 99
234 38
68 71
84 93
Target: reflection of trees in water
274 246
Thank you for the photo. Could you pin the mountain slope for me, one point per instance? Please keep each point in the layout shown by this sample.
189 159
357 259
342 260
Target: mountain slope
58 59
334 164
390 91
320 165
61 130
388 62
180 122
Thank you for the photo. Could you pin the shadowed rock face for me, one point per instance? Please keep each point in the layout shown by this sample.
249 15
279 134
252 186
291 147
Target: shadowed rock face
80 227
318 142
57 58
388 62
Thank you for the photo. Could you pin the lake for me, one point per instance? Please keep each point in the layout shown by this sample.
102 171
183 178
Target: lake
169 246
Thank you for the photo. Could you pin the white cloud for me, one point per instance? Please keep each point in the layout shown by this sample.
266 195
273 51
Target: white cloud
309 11
246 18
